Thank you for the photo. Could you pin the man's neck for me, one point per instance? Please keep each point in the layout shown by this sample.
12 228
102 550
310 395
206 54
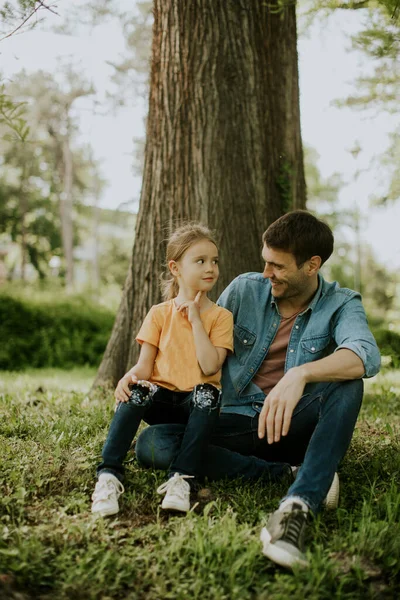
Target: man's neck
291 306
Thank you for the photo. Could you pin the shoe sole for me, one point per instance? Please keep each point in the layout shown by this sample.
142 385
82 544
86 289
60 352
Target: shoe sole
279 555
332 498
173 506
105 513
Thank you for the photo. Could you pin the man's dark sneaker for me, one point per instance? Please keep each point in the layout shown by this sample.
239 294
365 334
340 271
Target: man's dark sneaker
283 537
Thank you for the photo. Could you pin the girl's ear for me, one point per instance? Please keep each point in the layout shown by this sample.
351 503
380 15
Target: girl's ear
173 267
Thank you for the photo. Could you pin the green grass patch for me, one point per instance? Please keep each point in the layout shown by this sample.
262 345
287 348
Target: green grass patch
51 546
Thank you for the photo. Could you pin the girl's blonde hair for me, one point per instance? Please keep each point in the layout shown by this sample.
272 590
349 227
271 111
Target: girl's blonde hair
180 241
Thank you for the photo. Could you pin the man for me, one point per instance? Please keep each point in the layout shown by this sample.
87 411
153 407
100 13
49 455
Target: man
293 388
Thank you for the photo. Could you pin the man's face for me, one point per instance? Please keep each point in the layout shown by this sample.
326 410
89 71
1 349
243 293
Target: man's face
287 279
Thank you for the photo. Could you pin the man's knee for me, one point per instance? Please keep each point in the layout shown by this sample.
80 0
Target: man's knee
355 389
206 397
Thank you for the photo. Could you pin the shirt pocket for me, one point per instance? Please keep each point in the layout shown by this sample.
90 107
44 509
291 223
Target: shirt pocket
244 341
315 348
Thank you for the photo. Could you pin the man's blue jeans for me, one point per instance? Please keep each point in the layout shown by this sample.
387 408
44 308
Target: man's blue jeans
320 433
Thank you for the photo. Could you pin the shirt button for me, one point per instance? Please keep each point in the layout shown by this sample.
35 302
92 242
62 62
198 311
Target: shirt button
297 326
264 349
274 324
244 341
251 370
313 349
291 350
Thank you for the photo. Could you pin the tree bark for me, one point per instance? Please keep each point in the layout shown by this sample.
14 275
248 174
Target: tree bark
223 145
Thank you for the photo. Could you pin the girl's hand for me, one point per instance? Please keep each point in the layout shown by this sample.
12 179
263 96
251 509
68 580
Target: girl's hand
122 391
191 308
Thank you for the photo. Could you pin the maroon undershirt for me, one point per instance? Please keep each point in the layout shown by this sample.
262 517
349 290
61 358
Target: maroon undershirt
273 366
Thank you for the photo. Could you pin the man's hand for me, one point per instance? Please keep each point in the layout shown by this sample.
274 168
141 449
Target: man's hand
276 414
122 391
191 308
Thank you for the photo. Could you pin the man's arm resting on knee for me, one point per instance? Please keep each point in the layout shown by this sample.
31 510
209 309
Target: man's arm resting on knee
340 366
276 414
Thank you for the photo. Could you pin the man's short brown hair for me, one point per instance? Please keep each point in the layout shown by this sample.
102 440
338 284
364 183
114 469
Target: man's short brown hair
302 234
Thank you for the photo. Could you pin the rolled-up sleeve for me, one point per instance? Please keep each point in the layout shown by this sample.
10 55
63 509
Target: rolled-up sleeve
351 331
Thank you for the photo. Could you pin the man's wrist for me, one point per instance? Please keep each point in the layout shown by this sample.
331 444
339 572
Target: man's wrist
305 372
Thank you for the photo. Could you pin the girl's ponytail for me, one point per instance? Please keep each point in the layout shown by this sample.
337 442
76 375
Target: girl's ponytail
169 286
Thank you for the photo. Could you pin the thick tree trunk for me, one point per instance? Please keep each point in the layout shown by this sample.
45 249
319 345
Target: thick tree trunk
223 144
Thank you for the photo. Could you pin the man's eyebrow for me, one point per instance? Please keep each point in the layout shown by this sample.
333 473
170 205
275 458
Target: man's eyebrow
274 264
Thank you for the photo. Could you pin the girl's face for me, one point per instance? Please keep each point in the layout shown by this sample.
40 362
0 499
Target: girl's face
197 270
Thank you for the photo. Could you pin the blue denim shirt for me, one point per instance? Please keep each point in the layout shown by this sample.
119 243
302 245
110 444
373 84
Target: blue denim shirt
334 319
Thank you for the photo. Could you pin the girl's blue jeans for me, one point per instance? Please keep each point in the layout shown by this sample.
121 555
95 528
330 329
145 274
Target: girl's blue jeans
196 413
320 433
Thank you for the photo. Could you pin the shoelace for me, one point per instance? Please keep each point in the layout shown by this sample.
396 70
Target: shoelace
295 522
105 488
176 485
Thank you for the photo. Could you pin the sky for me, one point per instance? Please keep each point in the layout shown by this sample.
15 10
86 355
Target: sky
327 71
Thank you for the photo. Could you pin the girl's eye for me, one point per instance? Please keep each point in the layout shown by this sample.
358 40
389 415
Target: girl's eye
216 261
200 261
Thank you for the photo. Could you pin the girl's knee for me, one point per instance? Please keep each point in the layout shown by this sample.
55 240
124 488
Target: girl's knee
142 395
206 396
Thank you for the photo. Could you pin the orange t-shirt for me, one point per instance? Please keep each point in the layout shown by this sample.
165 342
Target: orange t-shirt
176 366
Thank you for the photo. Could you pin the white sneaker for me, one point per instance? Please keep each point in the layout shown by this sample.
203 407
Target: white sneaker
177 493
332 498
105 496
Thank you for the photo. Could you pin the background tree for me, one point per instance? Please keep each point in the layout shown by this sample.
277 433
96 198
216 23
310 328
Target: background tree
17 15
353 263
377 88
44 174
223 144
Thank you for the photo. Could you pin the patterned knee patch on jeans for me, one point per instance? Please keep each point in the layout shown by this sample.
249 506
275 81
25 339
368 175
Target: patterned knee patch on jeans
206 395
142 393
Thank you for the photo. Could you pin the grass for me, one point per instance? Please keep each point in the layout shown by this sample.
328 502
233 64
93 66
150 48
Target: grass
51 547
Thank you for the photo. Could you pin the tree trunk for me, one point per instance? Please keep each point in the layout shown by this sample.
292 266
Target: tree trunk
223 144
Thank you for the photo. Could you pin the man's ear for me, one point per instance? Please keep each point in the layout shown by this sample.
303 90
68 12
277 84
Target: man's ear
173 267
314 264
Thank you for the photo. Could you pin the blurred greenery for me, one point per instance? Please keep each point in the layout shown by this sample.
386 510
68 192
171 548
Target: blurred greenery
52 334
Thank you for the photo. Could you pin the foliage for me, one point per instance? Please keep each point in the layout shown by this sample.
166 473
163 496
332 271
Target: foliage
32 169
389 344
377 86
52 547
55 334
353 265
12 116
17 16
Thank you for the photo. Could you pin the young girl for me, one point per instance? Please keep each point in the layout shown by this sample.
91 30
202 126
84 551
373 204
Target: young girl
184 342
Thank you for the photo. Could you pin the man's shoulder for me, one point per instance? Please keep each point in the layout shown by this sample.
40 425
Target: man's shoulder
220 313
333 289
251 279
